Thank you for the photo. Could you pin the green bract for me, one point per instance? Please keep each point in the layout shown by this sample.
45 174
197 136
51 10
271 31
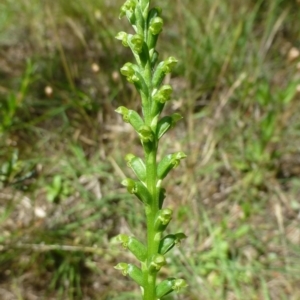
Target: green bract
147 75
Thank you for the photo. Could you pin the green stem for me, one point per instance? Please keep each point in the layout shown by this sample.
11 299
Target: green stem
152 243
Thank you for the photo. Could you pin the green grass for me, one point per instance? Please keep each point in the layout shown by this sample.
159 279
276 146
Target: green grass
61 155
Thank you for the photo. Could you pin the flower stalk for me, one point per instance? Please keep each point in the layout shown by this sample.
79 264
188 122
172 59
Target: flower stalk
147 75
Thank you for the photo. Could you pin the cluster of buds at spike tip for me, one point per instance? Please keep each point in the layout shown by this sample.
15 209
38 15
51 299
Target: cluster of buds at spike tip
147 75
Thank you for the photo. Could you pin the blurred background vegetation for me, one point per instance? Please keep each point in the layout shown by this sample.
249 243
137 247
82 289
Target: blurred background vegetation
62 148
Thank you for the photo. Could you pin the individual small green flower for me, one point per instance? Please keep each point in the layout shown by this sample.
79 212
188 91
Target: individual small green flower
130 116
128 8
146 134
164 94
136 42
138 249
137 188
169 241
169 64
167 123
162 69
123 36
137 165
128 71
133 271
169 285
163 218
158 261
179 284
169 162
156 25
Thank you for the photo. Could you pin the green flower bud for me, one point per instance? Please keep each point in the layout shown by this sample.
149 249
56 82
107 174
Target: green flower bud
162 69
156 25
167 123
146 134
169 241
123 36
136 43
153 27
128 71
138 189
169 64
164 94
130 184
157 262
169 162
169 285
123 267
137 248
137 165
128 8
131 116
162 219
179 284
133 271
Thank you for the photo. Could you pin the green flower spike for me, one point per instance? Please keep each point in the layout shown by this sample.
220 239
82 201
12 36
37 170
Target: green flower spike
147 75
